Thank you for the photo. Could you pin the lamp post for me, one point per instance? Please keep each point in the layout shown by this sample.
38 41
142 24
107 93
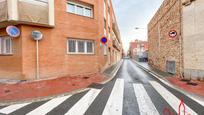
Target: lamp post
138 28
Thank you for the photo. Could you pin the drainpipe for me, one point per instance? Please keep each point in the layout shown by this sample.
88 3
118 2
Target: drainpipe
181 65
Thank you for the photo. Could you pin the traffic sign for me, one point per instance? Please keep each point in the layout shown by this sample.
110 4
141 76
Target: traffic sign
104 40
13 31
172 34
37 35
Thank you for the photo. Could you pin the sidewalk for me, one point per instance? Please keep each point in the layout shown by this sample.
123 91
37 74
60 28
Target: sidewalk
109 72
40 90
46 88
176 81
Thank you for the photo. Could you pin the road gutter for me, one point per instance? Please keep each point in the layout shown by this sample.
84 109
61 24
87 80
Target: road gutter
192 96
6 103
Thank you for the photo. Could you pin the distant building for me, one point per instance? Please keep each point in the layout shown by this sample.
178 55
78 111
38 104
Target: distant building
183 53
139 50
132 49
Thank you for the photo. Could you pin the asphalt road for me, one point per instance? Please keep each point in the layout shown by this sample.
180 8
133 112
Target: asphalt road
132 92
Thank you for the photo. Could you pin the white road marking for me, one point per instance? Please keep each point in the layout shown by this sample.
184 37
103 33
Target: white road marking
172 100
146 106
12 108
47 107
114 105
197 99
83 104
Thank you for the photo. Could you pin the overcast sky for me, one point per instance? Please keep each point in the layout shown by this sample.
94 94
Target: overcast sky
134 13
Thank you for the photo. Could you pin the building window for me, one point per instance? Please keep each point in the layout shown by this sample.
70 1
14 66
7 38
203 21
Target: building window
72 45
88 12
89 47
79 9
105 48
109 33
104 26
80 46
104 7
104 23
109 19
71 8
5 45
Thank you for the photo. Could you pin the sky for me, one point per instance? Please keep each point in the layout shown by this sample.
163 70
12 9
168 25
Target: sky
134 13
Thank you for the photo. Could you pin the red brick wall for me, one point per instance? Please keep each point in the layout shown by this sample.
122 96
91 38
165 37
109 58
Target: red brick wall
11 65
53 58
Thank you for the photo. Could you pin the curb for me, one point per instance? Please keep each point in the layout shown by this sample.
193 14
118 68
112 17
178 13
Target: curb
114 72
192 96
6 103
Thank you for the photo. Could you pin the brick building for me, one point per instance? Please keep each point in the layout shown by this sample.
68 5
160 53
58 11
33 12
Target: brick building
71 38
132 49
183 54
138 49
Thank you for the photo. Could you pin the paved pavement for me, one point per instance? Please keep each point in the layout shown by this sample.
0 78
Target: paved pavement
194 88
39 90
161 73
132 92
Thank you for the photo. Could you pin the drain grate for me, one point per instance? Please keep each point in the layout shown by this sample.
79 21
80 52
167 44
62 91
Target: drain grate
85 77
191 83
96 85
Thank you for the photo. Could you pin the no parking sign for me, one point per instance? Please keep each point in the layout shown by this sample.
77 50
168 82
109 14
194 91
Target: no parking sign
173 34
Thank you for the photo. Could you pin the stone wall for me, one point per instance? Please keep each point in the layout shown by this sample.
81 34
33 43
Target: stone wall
193 41
161 47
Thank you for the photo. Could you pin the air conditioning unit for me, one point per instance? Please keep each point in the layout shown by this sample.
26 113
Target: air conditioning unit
171 67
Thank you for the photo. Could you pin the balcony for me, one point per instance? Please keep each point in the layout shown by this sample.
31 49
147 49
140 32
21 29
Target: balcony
116 31
116 43
31 12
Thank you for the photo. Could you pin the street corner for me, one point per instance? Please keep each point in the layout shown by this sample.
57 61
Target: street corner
43 89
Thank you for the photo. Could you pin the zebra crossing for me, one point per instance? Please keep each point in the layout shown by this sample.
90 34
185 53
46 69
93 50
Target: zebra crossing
146 106
114 104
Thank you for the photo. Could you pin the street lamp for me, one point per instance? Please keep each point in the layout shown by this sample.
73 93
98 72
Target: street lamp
137 28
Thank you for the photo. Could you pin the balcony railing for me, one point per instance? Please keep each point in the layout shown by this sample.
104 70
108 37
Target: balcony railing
33 12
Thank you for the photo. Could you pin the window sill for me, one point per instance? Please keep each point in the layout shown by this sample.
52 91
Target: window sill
6 54
80 15
81 53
